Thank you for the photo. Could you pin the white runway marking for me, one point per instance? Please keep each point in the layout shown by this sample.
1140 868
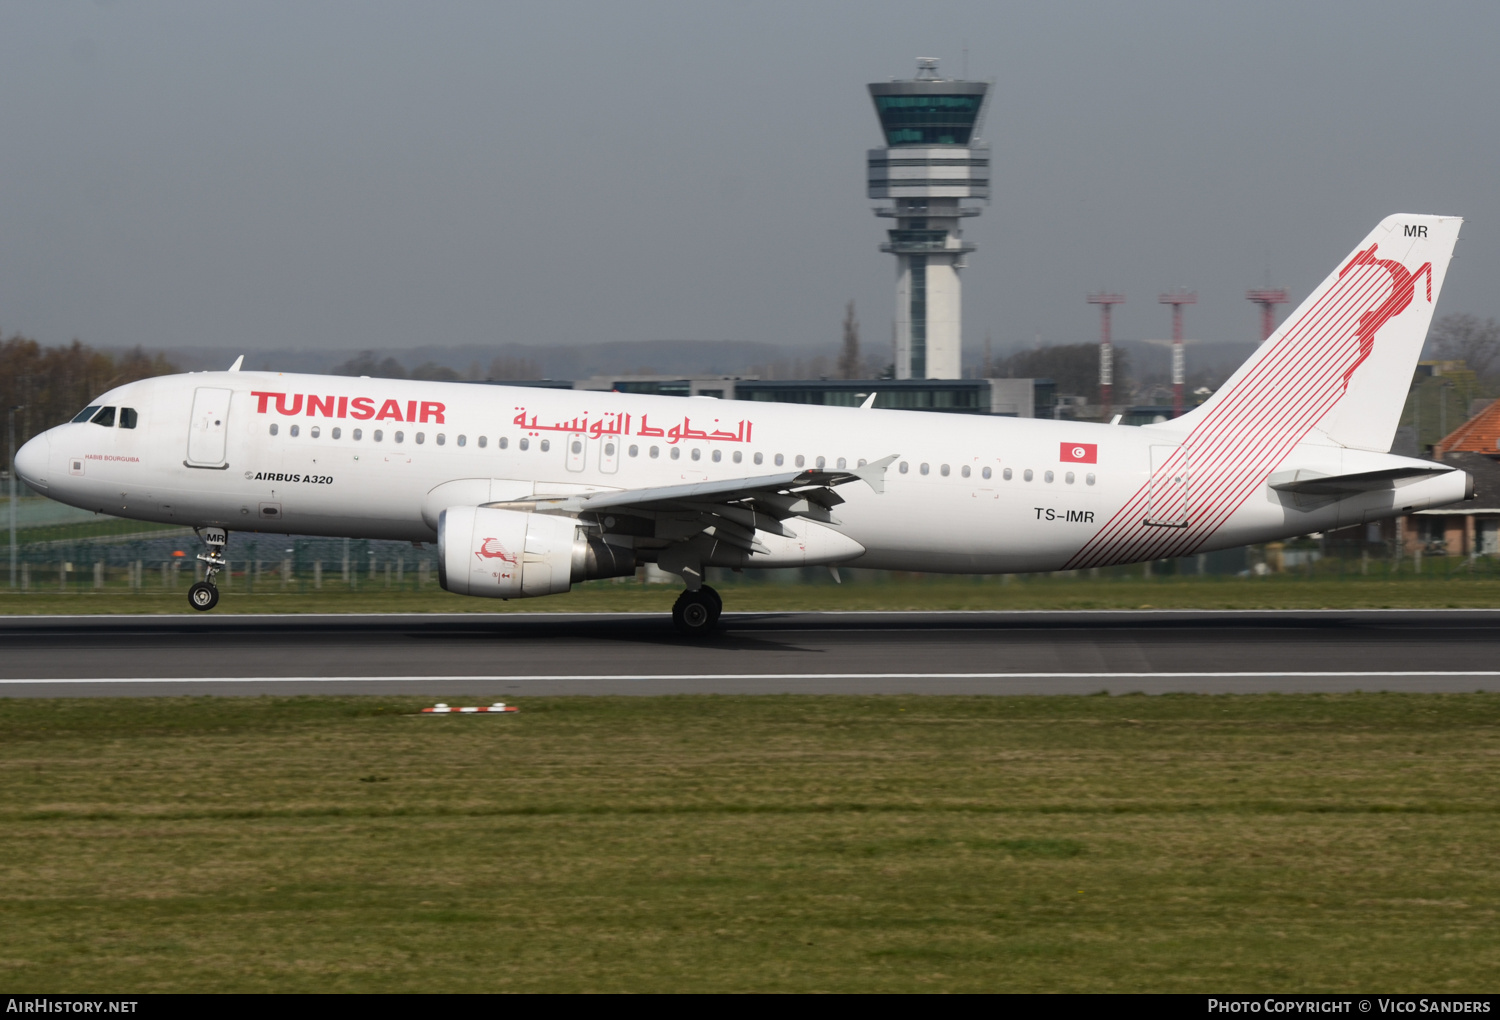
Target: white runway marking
471 615
1192 674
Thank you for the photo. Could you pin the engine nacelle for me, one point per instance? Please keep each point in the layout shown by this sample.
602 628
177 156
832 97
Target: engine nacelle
505 554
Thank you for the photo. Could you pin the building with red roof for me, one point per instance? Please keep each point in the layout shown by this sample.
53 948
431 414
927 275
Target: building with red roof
1471 528
1480 434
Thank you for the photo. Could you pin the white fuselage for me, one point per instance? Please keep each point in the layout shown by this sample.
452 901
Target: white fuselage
331 455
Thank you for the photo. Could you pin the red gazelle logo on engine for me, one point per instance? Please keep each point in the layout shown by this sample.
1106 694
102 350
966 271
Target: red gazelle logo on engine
358 408
491 549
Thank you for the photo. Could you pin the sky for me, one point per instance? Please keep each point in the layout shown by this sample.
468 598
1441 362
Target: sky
338 175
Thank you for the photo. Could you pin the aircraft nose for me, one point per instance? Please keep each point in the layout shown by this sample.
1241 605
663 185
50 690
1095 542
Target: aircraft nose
31 462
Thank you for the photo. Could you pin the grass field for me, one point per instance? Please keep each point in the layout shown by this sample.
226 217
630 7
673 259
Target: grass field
1175 843
902 593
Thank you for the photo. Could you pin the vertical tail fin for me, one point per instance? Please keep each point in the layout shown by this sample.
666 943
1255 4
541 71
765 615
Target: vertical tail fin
1337 371
1343 361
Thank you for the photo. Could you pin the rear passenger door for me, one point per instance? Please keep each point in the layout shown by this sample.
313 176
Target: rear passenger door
1167 497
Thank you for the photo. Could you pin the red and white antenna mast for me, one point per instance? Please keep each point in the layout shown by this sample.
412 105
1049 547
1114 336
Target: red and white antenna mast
1177 300
1268 299
1106 349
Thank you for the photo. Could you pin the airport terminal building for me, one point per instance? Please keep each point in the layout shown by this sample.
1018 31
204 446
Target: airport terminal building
1015 398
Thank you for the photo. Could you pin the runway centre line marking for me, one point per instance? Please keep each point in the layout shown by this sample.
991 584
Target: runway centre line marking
1192 674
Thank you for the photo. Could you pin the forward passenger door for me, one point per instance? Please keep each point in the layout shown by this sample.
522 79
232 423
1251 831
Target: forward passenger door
208 428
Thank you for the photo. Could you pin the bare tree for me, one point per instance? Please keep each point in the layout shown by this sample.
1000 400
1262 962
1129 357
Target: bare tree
1074 367
508 367
1477 344
55 382
433 372
850 366
812 367
365 363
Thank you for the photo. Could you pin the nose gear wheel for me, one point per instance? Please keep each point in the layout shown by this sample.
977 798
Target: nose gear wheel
203 596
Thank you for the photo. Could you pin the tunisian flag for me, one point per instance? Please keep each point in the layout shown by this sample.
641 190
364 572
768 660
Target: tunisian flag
1079 453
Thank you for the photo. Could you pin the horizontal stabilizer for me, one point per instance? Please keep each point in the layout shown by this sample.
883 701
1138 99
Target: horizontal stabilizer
1307 483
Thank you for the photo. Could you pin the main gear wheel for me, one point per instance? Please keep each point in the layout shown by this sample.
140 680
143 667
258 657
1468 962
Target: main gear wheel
696 613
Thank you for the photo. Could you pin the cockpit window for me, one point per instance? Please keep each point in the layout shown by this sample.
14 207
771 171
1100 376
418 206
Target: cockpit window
127 417
105 417
86 413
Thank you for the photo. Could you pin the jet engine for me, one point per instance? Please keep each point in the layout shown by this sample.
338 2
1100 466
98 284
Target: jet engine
506 554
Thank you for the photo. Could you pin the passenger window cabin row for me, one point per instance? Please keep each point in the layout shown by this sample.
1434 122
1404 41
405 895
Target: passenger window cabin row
1007 474
654 452
126 418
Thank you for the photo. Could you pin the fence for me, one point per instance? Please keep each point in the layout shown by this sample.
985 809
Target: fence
94 552
260 563
61 549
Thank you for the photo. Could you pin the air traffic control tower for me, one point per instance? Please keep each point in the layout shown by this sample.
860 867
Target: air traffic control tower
933 159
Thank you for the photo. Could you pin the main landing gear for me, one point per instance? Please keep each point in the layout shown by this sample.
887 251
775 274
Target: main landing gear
696 613
204 595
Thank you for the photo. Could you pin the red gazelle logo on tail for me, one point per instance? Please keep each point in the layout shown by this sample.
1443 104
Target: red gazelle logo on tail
1403 287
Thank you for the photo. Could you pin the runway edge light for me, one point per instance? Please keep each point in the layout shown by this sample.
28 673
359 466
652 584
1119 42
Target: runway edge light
441 709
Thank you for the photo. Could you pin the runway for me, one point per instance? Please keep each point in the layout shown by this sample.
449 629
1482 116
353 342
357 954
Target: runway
508 655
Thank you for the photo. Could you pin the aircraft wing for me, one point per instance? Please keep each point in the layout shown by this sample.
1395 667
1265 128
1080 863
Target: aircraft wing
733 509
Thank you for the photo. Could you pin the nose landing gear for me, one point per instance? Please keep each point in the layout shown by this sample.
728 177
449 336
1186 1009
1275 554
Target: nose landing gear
696 613
204 595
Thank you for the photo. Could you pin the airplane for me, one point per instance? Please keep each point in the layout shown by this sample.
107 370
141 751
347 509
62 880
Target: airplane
529 491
